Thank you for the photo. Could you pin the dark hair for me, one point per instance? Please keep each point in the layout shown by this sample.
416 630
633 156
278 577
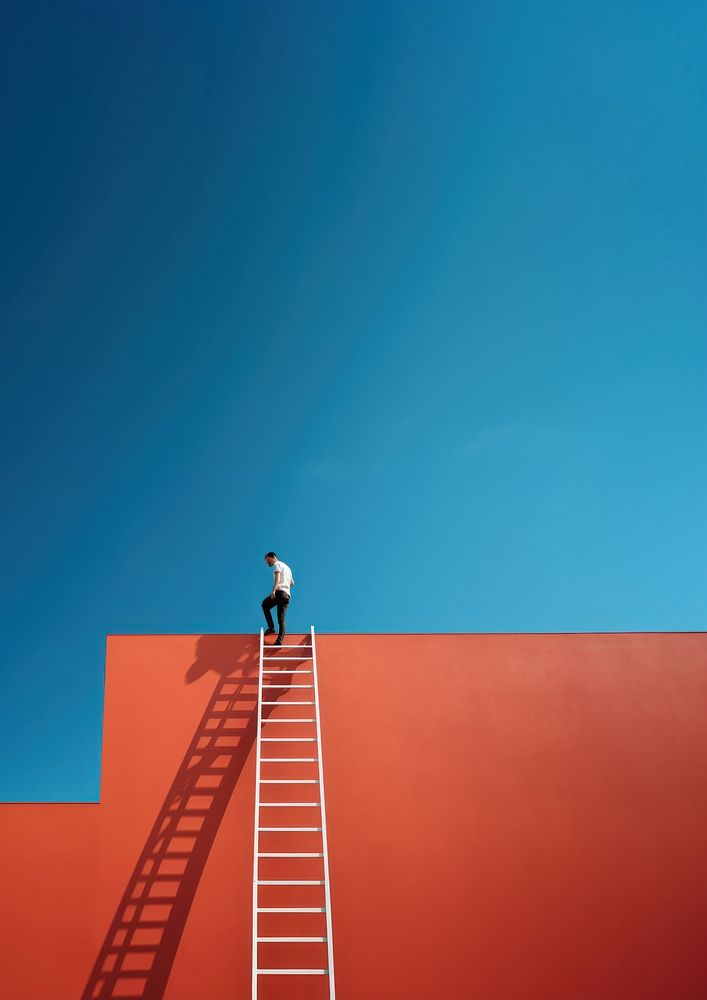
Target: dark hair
269 554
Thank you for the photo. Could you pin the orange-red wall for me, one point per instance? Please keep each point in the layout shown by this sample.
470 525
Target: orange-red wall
510 818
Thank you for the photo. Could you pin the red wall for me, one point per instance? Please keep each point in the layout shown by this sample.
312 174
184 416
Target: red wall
510 818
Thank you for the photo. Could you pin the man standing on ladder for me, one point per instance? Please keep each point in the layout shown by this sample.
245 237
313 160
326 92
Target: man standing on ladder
283 581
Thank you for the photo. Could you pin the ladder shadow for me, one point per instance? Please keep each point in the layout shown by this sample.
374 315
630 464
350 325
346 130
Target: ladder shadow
140 946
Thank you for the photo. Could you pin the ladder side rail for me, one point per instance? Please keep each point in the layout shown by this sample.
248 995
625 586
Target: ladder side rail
256 822
325 846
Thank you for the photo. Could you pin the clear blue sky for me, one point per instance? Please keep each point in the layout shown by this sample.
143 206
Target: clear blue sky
413 293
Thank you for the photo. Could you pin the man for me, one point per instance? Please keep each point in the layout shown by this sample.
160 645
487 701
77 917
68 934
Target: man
283 581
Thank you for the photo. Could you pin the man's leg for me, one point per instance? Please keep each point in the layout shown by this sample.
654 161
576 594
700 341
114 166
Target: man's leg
283 602
267 604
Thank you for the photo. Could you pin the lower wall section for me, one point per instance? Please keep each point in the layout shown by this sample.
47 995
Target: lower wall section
510 818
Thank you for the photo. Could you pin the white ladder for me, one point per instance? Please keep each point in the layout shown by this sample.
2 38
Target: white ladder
309 722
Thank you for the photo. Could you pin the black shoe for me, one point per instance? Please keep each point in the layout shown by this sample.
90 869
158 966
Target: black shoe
278 642
269 631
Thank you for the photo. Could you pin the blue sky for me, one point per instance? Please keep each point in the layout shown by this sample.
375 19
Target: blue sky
413 293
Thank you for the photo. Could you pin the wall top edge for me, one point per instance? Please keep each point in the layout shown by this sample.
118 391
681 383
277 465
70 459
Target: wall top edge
156 635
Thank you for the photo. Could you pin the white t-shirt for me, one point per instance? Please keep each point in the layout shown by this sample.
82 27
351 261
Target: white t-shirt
285 575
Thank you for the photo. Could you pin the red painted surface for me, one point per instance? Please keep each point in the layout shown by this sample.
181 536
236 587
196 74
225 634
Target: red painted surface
510 818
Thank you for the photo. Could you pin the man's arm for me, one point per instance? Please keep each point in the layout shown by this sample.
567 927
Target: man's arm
275 582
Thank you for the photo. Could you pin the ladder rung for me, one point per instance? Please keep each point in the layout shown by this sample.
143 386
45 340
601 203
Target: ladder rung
289 972
295 672
287 645
267 722
289 781
288 703
289 909
287 657
288 739
288 760
280 805
297 854
274 687
290 881
283 829
285 940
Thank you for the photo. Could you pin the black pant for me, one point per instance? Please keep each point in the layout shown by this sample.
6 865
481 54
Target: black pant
282 600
